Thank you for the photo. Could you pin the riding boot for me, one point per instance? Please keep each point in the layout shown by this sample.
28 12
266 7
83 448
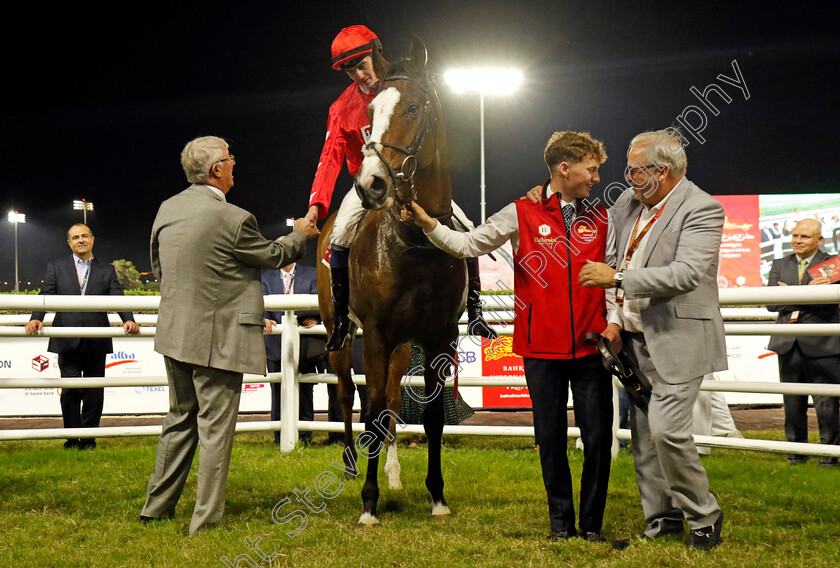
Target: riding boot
476 324
341 306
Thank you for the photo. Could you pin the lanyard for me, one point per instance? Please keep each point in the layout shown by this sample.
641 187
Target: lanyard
84 280
636 240
634 244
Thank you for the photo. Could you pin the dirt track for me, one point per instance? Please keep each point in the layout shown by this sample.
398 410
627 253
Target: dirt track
746 418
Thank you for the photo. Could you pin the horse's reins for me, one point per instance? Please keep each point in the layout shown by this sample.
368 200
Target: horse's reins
409 164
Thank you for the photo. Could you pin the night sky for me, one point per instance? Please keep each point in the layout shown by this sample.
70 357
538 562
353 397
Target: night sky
100 98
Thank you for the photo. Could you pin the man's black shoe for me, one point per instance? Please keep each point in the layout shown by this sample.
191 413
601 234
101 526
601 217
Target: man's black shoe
165 517
667 529
706 538
828 462
87 445
71 445
625 543
593 536
797 460
554 536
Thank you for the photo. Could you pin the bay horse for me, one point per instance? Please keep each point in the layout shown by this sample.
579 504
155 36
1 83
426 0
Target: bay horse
403 290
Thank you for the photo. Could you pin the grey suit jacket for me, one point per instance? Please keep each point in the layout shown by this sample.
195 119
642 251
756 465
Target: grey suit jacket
787 270
208 255
683 327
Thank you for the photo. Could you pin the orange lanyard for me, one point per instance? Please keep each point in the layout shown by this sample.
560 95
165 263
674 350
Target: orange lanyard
635 240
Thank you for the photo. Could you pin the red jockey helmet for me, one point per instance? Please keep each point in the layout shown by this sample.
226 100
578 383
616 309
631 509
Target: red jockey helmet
351 44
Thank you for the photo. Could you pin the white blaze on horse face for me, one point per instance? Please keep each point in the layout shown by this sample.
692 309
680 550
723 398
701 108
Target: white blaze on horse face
383 108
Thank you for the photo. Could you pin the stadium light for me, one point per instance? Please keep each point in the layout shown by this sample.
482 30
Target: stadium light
484 80
83 205
16 217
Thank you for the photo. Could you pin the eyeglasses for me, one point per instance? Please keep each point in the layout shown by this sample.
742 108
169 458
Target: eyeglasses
634 171
232 158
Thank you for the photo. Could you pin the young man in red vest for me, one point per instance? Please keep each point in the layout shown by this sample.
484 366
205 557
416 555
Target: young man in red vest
552 240
357 51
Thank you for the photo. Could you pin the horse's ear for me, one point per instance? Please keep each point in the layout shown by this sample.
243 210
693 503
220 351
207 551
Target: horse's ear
417 54
379 62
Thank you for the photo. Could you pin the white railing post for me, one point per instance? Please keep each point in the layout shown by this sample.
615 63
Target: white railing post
12 326
289 387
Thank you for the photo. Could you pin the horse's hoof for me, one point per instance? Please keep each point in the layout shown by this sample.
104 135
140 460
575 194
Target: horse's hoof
395 485
368 520
440 510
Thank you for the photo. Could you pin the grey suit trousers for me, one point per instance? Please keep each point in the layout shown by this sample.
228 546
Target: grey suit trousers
672 482
203 406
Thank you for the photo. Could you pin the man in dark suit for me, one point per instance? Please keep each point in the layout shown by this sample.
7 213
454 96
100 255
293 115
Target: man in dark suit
294 279
81 274
807 359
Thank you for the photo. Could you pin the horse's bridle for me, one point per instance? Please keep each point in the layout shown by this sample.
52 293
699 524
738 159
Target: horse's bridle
409 164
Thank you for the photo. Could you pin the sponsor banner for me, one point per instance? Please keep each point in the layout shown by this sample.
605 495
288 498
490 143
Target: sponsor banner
758 228
497 275
740 252
498 359
749 360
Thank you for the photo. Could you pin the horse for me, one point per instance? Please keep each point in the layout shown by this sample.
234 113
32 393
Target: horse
403 290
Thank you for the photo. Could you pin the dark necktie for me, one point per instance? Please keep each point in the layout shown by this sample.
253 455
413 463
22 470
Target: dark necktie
568 216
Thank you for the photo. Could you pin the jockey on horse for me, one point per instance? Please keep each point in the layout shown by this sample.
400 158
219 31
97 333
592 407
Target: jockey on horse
356 51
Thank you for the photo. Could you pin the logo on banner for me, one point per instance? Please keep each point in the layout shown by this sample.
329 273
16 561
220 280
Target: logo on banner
40 363
252 388
124 363
544 230
5 364
141 390
499 359
120 358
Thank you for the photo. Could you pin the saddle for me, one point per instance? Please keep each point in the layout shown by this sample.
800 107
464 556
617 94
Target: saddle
635 383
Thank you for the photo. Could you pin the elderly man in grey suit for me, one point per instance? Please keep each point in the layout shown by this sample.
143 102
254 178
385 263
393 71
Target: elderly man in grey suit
803 358
667 236
208 255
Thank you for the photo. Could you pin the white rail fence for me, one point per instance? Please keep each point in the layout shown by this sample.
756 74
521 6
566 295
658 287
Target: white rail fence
498 307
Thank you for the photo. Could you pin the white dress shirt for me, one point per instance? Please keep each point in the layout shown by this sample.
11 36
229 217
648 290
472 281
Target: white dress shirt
629 315
216 190
82 271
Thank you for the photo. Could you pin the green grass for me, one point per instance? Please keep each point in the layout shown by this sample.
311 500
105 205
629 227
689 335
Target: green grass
69 508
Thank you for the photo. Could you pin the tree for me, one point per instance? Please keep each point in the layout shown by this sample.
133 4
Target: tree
127 274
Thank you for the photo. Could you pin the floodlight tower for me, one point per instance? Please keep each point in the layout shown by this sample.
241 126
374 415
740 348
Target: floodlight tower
484 80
